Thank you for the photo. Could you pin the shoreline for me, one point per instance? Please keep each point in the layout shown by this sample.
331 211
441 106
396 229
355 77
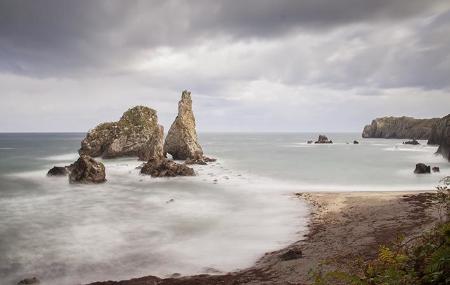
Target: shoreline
342 226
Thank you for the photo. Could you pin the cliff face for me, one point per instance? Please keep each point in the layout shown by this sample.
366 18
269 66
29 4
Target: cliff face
399 128
440 135
181 141
137 133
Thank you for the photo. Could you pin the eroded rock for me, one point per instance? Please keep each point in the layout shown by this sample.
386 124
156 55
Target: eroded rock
181 141
133 135
399 128
87 170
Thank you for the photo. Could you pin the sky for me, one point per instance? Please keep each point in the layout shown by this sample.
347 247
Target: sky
251 65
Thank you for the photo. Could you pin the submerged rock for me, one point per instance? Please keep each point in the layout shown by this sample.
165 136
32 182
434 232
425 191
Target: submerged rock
323 139
413 142
58 171
399 128
87 170
181 141
421 168
134 134
29 281
166 168
440 135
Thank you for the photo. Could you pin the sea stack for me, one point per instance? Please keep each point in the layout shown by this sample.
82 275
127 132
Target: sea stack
399 128
440 135
181 141
133 135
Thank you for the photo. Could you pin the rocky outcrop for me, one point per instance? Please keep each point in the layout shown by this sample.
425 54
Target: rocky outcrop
422 168
399 128
58 171
135 134
440 135
181 141
199 159
87 170
166 168
323 139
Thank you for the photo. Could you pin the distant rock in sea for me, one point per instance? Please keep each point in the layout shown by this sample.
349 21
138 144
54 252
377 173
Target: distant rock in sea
58 171
87 170
323 139
412 142
422 168
181 141
399 128
133 135
440 135
355 142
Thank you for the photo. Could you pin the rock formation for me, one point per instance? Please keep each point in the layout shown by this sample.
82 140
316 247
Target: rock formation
87 170
199 159
134 134
399 128
440 135
181 141
166 168
58 171
421 168
323 139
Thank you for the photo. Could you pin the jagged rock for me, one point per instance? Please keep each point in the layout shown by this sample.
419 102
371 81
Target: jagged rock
87 170
355 142
199 159
436 169
135 134
399 128
323 139
413 142
58 171
440 135
181 141
421 168
166 168
29 281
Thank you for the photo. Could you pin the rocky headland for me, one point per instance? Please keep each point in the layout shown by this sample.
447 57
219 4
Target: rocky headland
399 128
440 135
181 141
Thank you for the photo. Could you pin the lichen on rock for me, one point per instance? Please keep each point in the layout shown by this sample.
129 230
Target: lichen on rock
181 141
133 135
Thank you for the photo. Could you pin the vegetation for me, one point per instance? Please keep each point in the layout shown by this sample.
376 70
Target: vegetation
423 260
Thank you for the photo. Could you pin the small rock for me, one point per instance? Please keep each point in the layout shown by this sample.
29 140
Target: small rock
436 169
412 142
58 171
87 170
166 168
170 201
355 142
309 142
29 281
421 168
323 139
291 254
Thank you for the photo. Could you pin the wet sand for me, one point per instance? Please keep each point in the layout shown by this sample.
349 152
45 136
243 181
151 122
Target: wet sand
343 226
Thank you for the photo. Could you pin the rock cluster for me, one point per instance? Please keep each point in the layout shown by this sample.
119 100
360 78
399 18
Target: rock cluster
440 135
166 168
133 135
323 139
399 128
181 141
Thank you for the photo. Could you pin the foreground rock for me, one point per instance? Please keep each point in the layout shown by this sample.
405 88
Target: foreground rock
58 171
412 142
399 128
87 170
440 135
323 139
133 135
421 168
166 168
29 281
181 141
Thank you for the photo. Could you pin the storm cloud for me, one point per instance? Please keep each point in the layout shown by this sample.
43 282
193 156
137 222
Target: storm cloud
252 65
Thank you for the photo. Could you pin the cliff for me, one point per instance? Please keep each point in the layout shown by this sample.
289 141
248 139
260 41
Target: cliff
399 128
440 135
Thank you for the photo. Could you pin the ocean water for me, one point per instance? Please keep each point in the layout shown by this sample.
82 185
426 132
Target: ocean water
223 219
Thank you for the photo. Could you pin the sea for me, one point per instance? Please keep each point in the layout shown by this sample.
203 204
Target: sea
221 220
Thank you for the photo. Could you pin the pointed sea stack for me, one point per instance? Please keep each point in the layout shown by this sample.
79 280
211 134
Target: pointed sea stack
181 141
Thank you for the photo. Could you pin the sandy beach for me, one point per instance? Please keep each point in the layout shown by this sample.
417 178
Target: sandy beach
343 226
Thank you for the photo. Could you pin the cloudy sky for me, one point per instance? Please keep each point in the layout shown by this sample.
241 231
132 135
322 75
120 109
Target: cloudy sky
252 65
